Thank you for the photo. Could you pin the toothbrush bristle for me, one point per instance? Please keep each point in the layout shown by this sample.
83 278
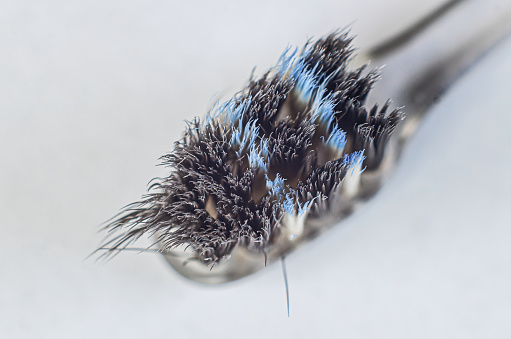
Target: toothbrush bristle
285 145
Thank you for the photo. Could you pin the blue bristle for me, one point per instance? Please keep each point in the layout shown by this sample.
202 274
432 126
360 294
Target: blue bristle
265 151
305 207
289 204
245 137
220 109
298 68
276 186
354 159
250 134
256 160
306 83
234 113
337 138
323 110
235 137
286 61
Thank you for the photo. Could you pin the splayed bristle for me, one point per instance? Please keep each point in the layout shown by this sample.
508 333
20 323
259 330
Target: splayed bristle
285 149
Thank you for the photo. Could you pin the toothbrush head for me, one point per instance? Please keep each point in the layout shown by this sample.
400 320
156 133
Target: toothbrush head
269 168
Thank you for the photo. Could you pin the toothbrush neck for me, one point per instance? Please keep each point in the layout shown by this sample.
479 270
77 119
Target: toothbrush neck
423 62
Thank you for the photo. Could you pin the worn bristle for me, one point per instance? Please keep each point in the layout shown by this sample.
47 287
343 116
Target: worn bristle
292 143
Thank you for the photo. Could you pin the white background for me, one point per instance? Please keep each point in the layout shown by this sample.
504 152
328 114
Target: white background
93 92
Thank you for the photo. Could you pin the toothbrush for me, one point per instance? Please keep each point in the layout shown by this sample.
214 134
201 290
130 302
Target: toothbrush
289 156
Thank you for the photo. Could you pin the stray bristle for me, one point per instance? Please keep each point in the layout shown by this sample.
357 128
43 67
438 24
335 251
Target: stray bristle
286 148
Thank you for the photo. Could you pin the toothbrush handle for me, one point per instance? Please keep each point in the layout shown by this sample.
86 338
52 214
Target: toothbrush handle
417 71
